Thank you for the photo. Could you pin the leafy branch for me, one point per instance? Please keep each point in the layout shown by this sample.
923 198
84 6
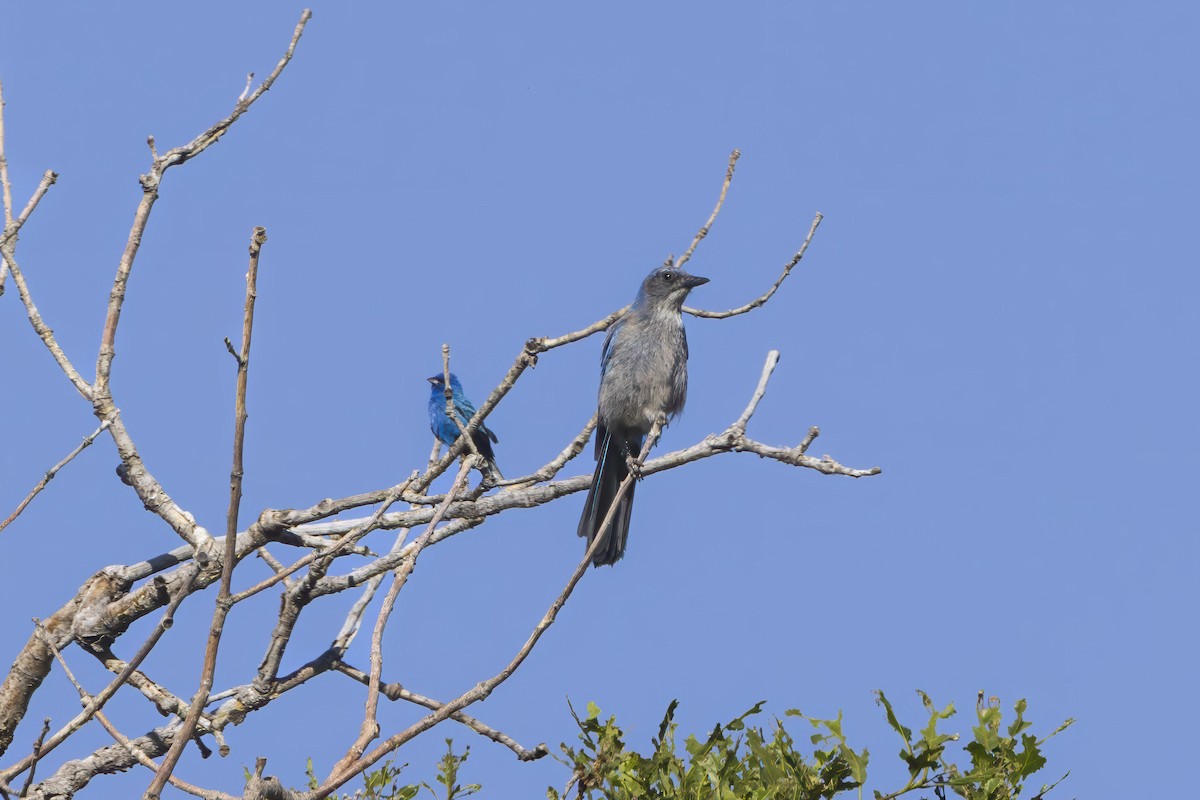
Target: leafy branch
742 761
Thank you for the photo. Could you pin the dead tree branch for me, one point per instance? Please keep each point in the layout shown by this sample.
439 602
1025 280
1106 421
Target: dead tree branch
321 554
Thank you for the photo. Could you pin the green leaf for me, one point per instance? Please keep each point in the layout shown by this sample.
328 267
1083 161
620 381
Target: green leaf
1031 759
857 762
904 732
834 725
666 722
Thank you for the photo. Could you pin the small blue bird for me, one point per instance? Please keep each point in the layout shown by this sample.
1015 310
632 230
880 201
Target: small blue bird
643 374
444 428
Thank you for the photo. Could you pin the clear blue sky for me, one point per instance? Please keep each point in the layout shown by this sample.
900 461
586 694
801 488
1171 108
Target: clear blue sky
998 310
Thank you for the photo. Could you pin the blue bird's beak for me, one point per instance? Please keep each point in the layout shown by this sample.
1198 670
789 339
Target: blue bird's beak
695 280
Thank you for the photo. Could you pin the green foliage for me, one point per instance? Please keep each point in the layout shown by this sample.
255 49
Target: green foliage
741 761
383 783
738 761
448 774
379 784
1000 762
734 762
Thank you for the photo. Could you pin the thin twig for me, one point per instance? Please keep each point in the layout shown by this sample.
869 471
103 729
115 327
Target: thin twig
150 182
223 604
275 564
347 768
165 701
758 301
573 448
7 192
533 347
451 411
148 763
350 626
50 473
759 391
733 157
13 227
249 83
148 489
473 512
88 701
369 729
8 244
394 691
808 439
728 441
37 753
257 239
348 538
301 593
96 703
7 187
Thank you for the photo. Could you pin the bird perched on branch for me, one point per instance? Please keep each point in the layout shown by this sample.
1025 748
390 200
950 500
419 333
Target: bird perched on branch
443 427
643 376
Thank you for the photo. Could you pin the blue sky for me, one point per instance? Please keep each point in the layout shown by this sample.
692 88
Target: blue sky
997 310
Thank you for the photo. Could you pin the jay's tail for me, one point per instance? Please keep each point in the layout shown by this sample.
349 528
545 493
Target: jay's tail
612 448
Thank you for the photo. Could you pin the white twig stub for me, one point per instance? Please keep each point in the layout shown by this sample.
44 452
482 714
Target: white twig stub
246 91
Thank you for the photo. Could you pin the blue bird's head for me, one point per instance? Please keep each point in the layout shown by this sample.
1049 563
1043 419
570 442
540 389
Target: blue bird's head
668 286
439 383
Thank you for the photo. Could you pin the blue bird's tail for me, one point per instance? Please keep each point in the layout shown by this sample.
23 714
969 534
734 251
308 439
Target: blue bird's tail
481 439
612 447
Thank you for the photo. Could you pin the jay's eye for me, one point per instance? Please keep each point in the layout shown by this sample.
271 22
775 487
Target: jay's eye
668 276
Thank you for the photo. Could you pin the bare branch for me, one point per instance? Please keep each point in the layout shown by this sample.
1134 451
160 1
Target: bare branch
249 83
544 344
90 702
223 604
8 242
74 775
43 634
733 157
34 661
394 691
50 473
451 412
808 439
150 183
108 604
758 301
151 493
37 753
147 487
348 767
148 763
257 239
13 226
733 439
470 513
759 391
370 726
4 182
165 702
347 539
574 448
350 625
